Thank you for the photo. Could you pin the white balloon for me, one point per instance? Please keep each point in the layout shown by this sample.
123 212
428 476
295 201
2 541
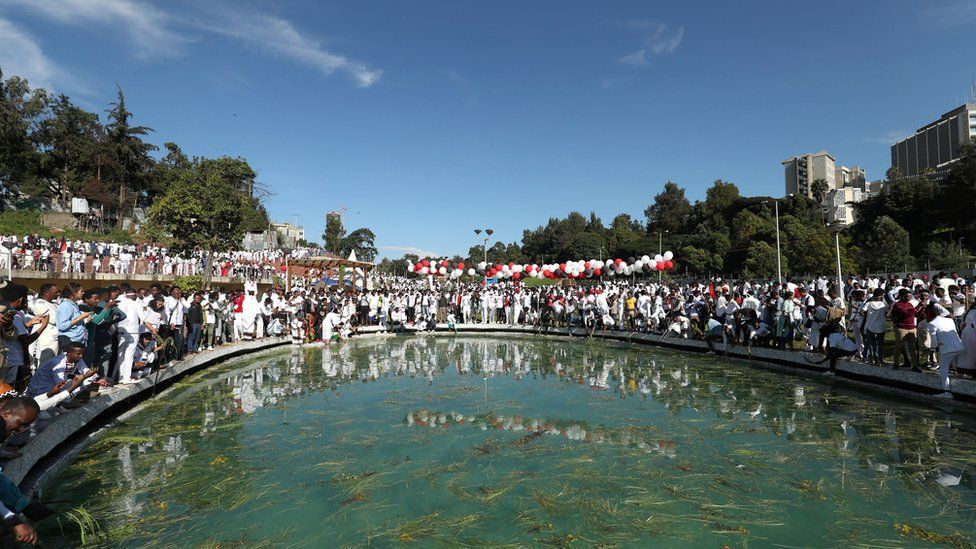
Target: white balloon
652 265
442 270
658 257
482 265
645 259
638 264
471 272
668 256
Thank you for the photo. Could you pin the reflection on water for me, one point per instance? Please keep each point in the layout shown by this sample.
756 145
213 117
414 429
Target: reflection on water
476 440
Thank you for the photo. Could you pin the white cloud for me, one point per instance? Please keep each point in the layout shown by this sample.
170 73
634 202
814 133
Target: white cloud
150 29
401 250
658 39
960 13
21 55
637 59
158 33
279 37
889 137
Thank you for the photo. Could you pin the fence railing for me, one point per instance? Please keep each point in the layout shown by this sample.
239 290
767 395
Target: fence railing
59 265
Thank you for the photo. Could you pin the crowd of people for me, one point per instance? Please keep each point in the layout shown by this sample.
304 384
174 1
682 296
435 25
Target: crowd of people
37 253
65 345
932 321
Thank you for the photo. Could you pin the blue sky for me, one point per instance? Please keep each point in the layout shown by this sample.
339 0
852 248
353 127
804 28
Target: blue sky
429 119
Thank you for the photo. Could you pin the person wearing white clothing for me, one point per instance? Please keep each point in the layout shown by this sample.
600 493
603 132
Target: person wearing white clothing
945 340
128 331
43 306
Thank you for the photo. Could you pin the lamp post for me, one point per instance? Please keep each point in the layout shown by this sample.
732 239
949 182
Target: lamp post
484 248
779 254
660 251
837 228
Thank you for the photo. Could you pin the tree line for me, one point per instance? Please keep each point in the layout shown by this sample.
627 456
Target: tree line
50 148
913 224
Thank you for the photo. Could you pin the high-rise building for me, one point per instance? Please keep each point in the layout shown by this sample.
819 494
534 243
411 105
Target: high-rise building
803 170
935 146
850 178
838 204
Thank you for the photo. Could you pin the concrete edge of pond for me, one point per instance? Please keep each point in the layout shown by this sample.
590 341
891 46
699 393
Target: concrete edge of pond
67 435
46 448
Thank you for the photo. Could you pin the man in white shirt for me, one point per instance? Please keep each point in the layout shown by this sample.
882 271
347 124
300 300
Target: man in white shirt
128 332
175 308
945 340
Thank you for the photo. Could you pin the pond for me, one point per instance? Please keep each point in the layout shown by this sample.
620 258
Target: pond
478 440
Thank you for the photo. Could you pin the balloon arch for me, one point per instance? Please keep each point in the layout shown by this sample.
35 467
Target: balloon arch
593 268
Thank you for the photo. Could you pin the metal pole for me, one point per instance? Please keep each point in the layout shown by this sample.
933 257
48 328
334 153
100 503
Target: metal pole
660 251
484 248
779 260
287 276
840 282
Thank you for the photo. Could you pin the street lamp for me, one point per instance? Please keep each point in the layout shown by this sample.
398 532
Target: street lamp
779 255
660 251
837 228
484 248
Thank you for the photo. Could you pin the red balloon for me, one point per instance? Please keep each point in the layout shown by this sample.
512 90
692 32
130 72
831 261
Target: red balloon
499 267
443 263
598 272
617 261
668 265
660 266
425 262
562 266
510 265
461 265
516 276
586 265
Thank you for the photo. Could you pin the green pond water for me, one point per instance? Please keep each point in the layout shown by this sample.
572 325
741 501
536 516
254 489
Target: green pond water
519 442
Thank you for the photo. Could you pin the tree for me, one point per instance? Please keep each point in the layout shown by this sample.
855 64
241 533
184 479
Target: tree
885 247
819 189
20 112
201 211
334 232
130 153
701 262
947 255
961 184
338 242
237 173
670 210
72 139
625 238
761 261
